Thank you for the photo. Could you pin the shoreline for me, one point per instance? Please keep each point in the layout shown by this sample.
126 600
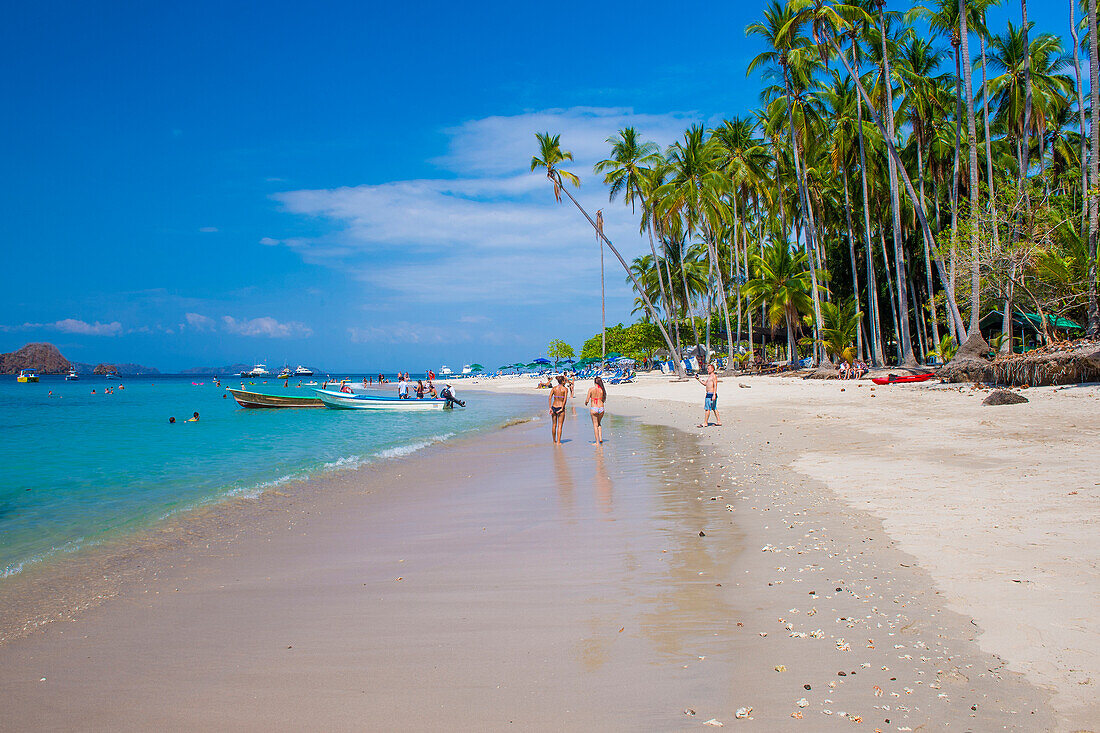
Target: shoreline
641 607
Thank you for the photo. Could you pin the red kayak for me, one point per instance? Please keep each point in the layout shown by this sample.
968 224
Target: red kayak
903 379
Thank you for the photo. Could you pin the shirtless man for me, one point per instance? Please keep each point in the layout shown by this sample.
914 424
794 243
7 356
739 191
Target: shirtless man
559 395
710 403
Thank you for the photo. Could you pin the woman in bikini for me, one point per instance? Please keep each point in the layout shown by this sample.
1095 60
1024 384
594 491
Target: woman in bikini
559 395
597 395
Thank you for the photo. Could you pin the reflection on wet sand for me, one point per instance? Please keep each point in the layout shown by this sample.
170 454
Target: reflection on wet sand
602 482
566 487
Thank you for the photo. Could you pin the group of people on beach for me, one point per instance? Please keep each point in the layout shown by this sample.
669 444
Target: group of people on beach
421 390
559 397
855 370
596 400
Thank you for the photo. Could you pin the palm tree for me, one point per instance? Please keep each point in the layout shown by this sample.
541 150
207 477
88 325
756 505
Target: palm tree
625 172
782 280
841 323
694 193
796 59
550 157
1094 174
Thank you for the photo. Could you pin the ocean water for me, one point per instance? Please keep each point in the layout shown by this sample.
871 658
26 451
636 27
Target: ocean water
78 468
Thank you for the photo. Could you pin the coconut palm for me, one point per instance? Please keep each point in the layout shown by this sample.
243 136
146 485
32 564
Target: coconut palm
782 280
839 332
550 157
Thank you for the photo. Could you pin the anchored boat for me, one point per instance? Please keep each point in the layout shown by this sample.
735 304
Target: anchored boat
350 401
245 398
27 375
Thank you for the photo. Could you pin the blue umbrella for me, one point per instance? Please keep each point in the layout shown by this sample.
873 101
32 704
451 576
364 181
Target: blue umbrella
541 361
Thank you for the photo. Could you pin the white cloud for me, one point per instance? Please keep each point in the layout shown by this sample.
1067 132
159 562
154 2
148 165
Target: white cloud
72 325
496 236
208 230
198 322
269 242
266 326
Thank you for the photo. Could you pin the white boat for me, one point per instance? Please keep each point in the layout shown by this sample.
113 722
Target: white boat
285 373
445 371
258 370
72 376
467 369
111 375
351 401
302 371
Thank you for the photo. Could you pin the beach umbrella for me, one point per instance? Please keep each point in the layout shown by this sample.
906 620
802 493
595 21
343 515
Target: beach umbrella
624 360
477 367
533 365
541 361
613 355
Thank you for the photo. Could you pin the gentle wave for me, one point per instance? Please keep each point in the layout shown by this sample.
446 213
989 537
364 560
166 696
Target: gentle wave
346 463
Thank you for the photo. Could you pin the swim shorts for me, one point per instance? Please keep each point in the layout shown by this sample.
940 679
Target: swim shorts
711 402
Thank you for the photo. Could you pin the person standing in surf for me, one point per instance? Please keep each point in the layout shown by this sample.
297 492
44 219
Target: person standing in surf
597 396
559 395
710 402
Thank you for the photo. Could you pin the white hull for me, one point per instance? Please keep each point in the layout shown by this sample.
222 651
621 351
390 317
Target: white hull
345 401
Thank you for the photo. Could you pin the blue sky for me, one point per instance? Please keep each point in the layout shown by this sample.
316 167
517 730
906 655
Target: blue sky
337 184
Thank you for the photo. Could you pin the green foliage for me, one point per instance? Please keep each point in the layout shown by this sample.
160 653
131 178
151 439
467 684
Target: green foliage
945 351
838 332
638 340
558 350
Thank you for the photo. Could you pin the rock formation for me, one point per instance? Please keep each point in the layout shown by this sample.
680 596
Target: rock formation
43 357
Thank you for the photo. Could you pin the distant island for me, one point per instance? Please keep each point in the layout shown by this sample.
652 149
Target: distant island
47 359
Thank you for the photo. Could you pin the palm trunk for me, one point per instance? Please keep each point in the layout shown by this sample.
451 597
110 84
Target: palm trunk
988 149
855 271
872 298
807 222
891 292
637 285
953 308
905 340
975 194
1080 113
660 276
927 255
722 298
1025 133
1094 164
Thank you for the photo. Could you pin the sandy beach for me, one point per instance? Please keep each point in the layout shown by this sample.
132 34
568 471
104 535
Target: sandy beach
901 559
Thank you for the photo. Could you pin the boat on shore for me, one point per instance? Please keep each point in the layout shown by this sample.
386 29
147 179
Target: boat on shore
351 401
245 398
27 375
903 379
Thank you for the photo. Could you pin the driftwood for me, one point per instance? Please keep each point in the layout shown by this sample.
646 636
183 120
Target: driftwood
1070 362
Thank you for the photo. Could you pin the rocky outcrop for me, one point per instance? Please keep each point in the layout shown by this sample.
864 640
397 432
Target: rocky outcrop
1004 397
123 369
43 357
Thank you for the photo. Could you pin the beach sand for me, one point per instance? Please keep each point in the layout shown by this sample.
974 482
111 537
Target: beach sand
998 505
661 582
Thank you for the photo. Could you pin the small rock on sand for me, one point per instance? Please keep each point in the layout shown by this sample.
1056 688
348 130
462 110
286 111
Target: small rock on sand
1004 397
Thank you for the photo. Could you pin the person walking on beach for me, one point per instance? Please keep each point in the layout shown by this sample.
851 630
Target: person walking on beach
710 402
559 395
597 396
402 388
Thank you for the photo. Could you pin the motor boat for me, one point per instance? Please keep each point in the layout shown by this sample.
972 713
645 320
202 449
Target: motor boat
27 375
258 370
445 371
72 376
302 371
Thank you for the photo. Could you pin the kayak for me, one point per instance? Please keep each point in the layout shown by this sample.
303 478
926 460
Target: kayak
903 379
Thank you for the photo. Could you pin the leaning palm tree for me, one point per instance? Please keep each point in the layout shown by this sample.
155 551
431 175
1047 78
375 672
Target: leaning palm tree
1093 328
626 172
550 157
782 280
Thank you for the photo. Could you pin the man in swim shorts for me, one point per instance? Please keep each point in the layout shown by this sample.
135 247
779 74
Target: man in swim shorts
710 402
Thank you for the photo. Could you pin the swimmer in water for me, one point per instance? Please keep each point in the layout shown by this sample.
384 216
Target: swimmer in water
171 421
194 418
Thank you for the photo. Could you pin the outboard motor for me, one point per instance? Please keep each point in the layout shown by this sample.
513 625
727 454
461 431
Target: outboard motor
448 394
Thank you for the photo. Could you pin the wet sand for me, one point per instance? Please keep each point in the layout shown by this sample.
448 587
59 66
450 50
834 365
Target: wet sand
501 582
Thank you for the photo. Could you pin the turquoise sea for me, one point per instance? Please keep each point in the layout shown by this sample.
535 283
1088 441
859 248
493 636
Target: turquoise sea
77 468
